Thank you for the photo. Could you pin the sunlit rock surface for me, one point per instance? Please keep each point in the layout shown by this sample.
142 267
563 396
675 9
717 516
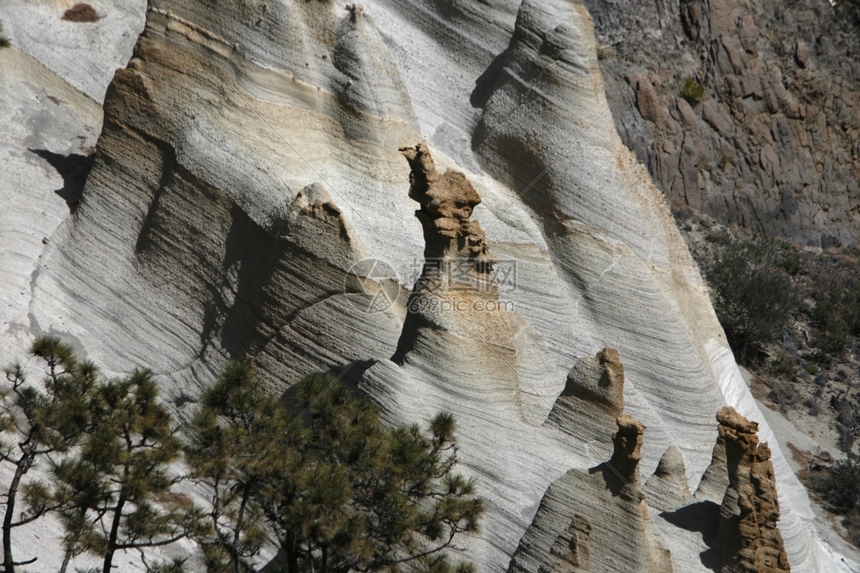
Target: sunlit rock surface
667 488
585 512
249 159
747 535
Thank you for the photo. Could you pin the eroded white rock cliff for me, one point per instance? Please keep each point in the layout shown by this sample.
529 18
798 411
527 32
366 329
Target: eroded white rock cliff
250 157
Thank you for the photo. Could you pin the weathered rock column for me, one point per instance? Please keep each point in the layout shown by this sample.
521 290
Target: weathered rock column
748 536
456 292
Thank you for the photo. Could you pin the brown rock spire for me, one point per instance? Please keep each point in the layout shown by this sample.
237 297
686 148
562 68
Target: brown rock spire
457 292
447 200
628 445
748 536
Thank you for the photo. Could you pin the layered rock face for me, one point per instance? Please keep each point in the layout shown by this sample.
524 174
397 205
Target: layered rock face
248 169
775 144
593 397
85 55
667 489
583 513
208 243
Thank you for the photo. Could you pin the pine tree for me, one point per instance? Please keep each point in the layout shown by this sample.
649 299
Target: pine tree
235 421
340 492
373 498
753 296
113 492
40 423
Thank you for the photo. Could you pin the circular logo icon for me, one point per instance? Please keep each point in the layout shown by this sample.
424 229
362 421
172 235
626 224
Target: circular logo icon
377 282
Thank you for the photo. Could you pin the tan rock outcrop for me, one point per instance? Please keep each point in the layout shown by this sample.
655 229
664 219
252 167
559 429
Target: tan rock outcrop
456 292
748 536
606 390
447 201
627 452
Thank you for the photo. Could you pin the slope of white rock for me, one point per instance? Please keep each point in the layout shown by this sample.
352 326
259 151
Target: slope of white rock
84 54
50 130
249 157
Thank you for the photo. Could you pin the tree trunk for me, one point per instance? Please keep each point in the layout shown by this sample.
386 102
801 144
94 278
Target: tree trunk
8 562
237 531
66 558
114 532
292 554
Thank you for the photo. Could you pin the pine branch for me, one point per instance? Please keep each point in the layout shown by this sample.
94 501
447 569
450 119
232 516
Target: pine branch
153 543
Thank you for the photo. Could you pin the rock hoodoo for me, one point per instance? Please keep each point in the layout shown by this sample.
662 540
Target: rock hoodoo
667 488
456 291
715 480
604 507
748 536
626 454
447 201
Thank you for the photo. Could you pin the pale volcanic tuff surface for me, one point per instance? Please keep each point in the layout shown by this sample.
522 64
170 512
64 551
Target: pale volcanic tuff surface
249 156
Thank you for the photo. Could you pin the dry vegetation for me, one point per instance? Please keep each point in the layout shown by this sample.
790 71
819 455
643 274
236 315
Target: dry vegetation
804 359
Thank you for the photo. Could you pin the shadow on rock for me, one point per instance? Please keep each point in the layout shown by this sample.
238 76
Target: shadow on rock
702 517
74 170
348 375
614 481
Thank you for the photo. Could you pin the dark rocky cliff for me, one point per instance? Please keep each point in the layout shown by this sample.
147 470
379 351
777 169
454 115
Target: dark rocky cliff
775 144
